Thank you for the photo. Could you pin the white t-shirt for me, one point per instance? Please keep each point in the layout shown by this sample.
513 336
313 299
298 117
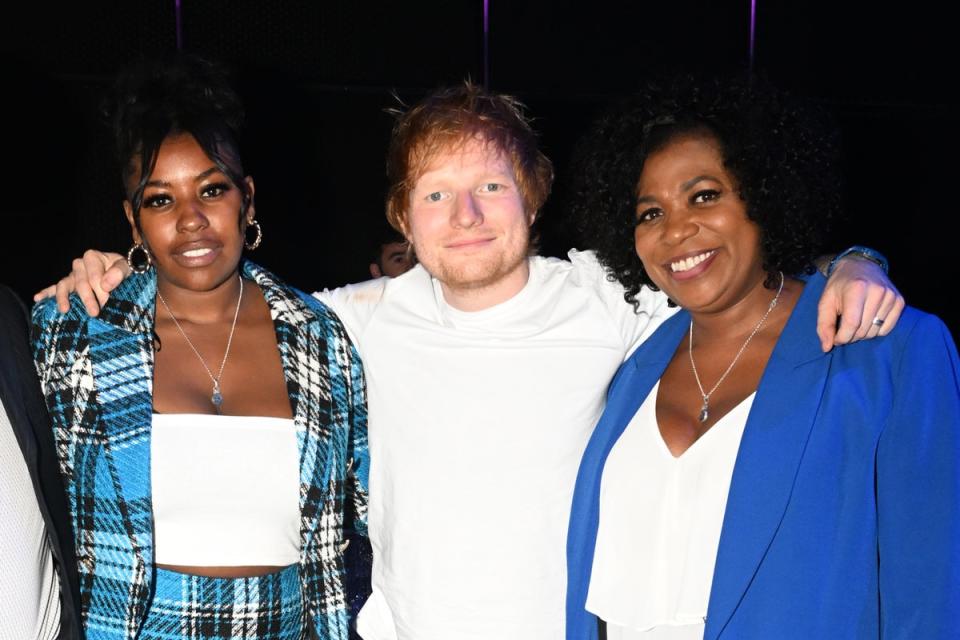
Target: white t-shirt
29 586
477 424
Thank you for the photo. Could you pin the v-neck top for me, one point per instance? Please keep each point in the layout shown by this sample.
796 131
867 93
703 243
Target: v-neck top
660 522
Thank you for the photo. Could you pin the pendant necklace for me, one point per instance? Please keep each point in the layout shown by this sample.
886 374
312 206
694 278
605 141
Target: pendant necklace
215 397
705 408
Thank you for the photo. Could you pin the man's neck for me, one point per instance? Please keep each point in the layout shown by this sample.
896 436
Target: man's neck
486 295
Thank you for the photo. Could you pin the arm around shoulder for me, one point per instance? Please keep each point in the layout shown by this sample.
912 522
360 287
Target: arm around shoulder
918 488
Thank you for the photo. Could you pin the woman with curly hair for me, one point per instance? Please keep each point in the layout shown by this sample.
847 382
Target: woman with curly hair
211 421
742 483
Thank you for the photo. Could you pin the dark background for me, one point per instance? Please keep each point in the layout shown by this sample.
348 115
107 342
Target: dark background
316 77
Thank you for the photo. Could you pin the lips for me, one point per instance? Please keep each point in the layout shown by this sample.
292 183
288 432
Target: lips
197 253
469 243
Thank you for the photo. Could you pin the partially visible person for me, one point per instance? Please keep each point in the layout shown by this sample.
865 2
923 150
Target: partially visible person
390 253
210 422
742 483
487 370
39 592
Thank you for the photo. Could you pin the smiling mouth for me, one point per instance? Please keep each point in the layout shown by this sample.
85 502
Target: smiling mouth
686 264
466 244
196 253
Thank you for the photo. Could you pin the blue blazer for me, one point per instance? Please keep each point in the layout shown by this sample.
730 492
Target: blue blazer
843 517
97 378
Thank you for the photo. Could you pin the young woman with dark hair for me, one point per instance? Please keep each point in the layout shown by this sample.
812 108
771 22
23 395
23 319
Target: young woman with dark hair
211 421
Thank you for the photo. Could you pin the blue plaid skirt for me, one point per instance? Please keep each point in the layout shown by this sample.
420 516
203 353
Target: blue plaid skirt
186 607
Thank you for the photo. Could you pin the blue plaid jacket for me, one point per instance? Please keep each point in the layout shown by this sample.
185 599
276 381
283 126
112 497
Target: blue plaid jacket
97 377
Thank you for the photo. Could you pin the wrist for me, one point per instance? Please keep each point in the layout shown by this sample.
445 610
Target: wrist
859 251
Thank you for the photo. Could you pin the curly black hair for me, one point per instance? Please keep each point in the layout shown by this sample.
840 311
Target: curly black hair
155 98
782 154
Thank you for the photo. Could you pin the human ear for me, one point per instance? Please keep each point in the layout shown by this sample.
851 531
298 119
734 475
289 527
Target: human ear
249 209
128 211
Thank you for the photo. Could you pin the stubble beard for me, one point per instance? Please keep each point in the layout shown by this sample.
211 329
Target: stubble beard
484 272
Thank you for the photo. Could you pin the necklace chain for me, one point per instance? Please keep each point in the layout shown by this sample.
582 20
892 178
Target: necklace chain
215 397
705 408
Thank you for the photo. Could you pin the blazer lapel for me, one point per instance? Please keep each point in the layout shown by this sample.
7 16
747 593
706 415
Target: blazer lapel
773 445
121 358
295 326
629 388
639 374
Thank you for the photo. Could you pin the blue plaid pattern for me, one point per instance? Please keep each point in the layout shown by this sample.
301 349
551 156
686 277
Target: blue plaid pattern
97 376
196 608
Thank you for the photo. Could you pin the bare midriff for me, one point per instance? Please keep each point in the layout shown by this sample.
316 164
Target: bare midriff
223 572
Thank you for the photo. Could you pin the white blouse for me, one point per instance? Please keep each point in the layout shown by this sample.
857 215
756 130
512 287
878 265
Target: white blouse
226 490
660 522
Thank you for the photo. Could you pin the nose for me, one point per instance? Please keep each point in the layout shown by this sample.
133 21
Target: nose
678 227
467 211
191 217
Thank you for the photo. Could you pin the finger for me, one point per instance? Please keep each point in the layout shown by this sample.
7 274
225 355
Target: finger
93 266
64 287
880 318
890 321
851 311
871 310
827 310
80 280
43 294
115 275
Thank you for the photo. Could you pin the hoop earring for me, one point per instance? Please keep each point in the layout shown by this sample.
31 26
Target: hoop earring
145 264
256 241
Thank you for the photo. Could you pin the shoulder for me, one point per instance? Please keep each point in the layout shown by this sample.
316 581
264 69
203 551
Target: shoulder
361 294
8 297
921 331
917 357
46 317
358 304
12 308
294 308
588 271
914 330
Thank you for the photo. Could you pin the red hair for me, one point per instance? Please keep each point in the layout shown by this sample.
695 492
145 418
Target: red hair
446 120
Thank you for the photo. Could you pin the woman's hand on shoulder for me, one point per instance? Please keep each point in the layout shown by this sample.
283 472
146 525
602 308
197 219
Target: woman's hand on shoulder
94 276
864 299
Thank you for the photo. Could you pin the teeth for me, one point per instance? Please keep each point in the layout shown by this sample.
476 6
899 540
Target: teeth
689 263
196 253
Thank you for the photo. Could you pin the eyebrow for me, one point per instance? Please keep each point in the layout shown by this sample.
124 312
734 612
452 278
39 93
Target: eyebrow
199 177
686 186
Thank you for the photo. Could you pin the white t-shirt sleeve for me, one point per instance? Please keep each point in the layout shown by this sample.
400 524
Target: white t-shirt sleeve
634 325
355 305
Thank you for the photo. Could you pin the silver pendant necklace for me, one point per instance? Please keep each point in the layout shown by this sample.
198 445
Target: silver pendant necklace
215 397
705 408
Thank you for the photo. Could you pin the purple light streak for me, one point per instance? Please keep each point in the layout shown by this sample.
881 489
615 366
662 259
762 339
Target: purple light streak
753 29
486 44
176 12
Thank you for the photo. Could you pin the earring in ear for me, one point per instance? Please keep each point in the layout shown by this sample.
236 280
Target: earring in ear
141 266
256 241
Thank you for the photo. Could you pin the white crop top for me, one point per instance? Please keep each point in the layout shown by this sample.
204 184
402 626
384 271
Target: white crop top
226 490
